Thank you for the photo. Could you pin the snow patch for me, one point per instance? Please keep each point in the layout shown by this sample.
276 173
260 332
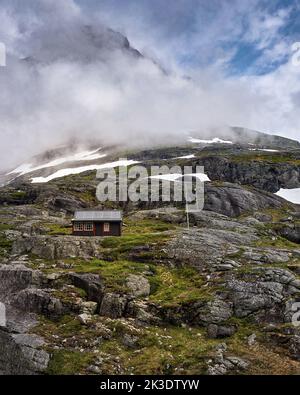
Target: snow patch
185 157
263 149
77 170
291 195
216 140
79 156
175 176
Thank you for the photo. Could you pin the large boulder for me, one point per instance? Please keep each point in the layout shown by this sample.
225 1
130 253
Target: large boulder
59 247
39 301
138 285
263 291
233 200
15 278
21 354
213 312
290 232
90 283
113 305
206 248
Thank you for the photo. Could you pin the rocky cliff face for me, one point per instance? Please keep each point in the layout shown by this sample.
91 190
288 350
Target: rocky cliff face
264 172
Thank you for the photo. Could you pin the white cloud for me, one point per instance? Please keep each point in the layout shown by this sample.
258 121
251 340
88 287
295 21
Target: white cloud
85 86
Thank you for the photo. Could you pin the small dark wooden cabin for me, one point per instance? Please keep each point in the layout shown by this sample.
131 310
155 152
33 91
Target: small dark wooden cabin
97 223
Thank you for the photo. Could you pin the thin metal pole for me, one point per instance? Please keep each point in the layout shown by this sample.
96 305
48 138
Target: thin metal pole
187 216
186 208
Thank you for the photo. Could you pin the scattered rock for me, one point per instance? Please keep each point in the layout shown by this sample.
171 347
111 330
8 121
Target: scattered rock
90 283
94 370
130 341
85 319
113 305
138 285
39 301
251 340
89 308
223 364
220 331
213 312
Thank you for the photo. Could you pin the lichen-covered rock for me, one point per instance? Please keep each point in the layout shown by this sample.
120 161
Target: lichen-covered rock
59 247
252 297
88 307
14 278
130 341
213 312
90 283
21 354
220 331
259 174
138 285
143 313
290 232
224 364
113 305
85 319
39 301
233 200
205 248
267 255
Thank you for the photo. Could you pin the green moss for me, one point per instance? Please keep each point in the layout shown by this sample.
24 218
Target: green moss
19 195
5 227
169 286
5 244
168 350
172 287
278 214
65 362
117 247
278 242
68 295
114 274
274 158
87 196
149 233
146 226
58 230
66 326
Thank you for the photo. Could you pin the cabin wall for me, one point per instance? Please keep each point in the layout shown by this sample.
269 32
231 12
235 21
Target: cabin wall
115 230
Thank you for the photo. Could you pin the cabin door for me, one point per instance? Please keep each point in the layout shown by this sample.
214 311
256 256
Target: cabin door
98 226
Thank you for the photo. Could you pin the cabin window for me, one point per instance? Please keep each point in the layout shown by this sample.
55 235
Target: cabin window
89 227
106 227
78 227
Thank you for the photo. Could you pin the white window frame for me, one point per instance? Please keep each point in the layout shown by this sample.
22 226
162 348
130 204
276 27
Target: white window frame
106 227
78 227
89 227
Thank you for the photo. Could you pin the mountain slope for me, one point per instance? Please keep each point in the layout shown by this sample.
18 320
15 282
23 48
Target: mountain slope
217 298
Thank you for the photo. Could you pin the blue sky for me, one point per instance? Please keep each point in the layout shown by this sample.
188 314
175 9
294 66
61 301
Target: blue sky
245 37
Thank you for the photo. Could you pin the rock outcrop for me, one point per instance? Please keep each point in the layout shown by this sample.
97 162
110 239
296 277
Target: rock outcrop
233 200
262 174
60 247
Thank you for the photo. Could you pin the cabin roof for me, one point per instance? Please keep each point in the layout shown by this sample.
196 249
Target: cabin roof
97 215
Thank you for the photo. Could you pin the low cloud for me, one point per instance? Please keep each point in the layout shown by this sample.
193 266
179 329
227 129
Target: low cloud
69 77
